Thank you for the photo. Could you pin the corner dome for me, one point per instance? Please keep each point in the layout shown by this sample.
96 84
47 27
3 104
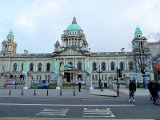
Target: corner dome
10 35
138 31
74 25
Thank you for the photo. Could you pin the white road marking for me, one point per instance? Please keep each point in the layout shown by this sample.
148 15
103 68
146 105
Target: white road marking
67 105
98 113
53 112
40 99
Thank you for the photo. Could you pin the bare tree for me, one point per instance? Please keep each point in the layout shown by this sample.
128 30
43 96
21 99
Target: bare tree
142 58
155 36
155 59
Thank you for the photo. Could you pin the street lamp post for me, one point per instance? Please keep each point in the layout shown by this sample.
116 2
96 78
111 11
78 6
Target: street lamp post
99 72
60 76
119 75
117 70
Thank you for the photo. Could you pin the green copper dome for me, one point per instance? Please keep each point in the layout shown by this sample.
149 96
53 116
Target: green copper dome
138 31
74 25
10 34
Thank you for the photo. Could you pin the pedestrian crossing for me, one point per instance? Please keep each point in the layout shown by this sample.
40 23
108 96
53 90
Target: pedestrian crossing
98 113
53 112
87 113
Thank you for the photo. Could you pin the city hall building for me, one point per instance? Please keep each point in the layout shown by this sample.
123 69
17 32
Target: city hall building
70 61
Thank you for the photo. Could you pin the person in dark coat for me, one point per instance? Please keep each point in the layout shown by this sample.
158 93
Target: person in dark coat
79 86
155 91
132 89
150 88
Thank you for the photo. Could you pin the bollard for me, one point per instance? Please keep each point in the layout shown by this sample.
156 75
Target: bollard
34 92
22 92
60 92
47 92
74 92
9 92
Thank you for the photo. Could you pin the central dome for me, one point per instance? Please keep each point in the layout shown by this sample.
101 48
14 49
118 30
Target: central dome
74 25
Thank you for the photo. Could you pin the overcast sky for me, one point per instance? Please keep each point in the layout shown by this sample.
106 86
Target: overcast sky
109 25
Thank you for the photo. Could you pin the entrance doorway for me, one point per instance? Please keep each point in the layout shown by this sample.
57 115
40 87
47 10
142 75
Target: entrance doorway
67 76
80 77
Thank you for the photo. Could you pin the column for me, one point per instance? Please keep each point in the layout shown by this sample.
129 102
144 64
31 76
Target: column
117 63
75 63
109 68
19 66
85 62
126 64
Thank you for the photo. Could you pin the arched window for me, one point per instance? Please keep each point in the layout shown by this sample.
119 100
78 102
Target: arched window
79 64
94 66
31 67
15 67
130 64
103 66
40 67
112 66
48 67
121 66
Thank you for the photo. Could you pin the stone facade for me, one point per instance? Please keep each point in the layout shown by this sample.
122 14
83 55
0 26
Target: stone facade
71 60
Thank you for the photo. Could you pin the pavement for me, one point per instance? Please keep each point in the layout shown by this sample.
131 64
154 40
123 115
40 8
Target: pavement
67 93
122 92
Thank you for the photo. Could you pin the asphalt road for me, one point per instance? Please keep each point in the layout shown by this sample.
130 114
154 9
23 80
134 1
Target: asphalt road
97 108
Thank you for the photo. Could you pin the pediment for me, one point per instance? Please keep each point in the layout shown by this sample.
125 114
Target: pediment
71 51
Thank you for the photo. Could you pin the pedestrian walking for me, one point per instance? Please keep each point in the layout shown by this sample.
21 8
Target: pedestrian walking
158 89
155 91
101 86
79 85
150 88
132 90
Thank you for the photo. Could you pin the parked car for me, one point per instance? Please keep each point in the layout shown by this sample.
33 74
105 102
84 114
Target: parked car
43 85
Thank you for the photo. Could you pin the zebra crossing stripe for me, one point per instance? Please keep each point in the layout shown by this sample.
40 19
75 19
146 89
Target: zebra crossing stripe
98 113
59 112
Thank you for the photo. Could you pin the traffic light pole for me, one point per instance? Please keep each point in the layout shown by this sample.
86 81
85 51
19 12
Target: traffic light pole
99 78
117 83
119 75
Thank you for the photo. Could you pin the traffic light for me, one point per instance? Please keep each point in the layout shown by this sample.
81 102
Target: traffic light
119 73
